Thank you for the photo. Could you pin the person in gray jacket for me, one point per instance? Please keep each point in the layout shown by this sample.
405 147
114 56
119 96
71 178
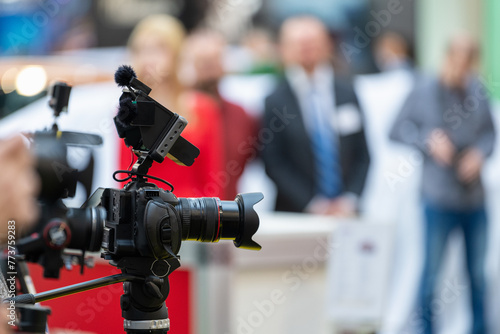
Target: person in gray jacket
448 118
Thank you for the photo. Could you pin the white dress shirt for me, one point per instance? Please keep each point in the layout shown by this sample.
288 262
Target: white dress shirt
322 80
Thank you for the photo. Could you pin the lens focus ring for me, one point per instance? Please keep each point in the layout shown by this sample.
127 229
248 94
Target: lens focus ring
185 215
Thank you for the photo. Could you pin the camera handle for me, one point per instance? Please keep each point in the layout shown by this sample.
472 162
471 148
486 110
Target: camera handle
33 319
143 302
30 298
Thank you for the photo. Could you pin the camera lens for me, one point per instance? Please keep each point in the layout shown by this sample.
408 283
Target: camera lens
86 227
209 219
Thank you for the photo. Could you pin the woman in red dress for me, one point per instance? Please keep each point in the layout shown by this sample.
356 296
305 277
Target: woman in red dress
155 45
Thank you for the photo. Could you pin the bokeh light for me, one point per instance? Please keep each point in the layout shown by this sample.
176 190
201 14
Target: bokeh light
8 80
31 80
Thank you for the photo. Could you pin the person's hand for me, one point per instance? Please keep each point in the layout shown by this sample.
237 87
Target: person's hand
340 207
441 148
19 185
318 206
469 165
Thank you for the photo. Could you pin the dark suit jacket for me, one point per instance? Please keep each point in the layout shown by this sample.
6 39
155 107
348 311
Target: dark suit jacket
288 154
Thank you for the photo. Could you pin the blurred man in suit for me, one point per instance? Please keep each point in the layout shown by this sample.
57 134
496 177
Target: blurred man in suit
448 118
317 155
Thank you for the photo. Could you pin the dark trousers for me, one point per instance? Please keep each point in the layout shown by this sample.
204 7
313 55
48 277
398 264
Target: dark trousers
439 223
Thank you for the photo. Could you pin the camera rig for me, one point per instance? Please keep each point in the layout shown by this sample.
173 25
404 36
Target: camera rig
58 225
144 224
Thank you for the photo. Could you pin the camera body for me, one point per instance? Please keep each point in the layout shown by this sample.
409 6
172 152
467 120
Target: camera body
141 222
146 221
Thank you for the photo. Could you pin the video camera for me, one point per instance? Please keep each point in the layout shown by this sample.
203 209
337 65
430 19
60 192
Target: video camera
144 224
58 225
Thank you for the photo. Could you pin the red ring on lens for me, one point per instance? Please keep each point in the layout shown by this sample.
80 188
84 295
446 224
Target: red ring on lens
63 227
219 205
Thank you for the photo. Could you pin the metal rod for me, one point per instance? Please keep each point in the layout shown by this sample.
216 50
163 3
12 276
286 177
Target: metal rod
75 288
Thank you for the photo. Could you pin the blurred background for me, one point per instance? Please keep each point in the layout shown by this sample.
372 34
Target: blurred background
320 273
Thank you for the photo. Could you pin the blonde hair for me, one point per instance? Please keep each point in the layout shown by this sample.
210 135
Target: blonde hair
167 28
171 33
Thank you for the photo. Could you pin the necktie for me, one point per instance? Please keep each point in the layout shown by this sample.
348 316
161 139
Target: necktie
324 143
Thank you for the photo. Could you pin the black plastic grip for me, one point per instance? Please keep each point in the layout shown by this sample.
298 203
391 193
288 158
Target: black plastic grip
27 298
